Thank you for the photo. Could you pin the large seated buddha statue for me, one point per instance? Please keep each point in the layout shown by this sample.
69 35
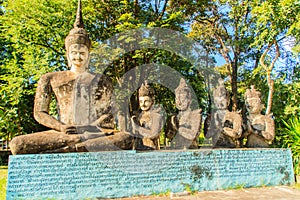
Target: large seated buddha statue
84 106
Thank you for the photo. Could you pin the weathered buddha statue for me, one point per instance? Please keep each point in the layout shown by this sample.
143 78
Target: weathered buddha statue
184 127
259 128
225 127
84 105
149 123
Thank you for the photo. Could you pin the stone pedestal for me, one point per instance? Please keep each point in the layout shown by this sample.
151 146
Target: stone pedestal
129 173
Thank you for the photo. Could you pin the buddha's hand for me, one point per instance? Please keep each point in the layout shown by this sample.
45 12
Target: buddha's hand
81 129
75 129
134 125
69 129
249 128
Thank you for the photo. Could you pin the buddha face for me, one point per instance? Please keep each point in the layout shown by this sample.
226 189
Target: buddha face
253 105
183 100
146 103
78 56
221 102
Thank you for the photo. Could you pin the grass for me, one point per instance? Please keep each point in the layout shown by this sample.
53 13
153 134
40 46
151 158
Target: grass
160 194
297 186
3 178
237 187
292 140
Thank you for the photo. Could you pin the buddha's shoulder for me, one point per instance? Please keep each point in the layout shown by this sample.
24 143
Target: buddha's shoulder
196 112
101 77
59 76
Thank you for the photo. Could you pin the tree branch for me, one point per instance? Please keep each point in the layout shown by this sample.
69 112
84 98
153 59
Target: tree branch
203 20
45 45
269 70
163 10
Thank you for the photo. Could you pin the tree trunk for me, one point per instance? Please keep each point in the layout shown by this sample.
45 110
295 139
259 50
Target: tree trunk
269 70
234 85
270 95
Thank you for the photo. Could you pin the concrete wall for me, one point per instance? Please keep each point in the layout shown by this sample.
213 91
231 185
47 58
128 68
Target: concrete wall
128 173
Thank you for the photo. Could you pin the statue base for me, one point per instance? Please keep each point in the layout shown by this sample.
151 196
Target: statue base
129 173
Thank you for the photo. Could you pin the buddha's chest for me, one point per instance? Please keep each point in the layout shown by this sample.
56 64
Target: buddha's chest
145 120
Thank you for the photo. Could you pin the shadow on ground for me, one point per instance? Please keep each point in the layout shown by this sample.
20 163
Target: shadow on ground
274 193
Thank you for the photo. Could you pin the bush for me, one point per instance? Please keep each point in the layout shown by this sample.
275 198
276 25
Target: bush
291 139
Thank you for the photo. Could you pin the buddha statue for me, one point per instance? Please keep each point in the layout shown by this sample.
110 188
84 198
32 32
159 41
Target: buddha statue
148 125
225 127
84 105
183 128
259 129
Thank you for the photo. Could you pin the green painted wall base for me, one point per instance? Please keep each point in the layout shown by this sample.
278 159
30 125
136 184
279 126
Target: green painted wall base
128 173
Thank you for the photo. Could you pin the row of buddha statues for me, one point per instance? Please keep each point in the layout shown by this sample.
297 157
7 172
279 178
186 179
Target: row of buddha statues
226 129
86 122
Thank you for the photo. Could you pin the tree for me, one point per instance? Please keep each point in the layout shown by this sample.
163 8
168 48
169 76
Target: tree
35 30
31 49
226 29
276 20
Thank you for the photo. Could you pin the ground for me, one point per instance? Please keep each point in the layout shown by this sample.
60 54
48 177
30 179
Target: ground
265 193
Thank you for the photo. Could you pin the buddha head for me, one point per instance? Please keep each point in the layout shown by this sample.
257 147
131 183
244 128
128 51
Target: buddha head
183 96
221 96
77 43
146 97
253 101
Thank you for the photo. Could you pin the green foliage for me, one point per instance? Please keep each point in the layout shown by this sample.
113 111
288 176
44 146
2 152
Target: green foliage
189 188
276 19
160 194
293 105
236 187
3 179
33 32
32 43
248 27
291 139
226 29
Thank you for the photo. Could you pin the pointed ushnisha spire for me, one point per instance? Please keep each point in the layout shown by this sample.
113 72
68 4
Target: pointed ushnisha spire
252 93
146 90
77 34
182 87
79 22
220 90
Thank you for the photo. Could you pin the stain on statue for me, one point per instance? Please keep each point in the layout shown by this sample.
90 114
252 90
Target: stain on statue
84 103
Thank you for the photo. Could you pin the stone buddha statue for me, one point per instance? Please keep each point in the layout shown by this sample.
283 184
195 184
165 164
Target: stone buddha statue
183 129
84 105
149 123
259 129
225 127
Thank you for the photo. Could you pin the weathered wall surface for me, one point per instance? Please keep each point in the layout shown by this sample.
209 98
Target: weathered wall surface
128 173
